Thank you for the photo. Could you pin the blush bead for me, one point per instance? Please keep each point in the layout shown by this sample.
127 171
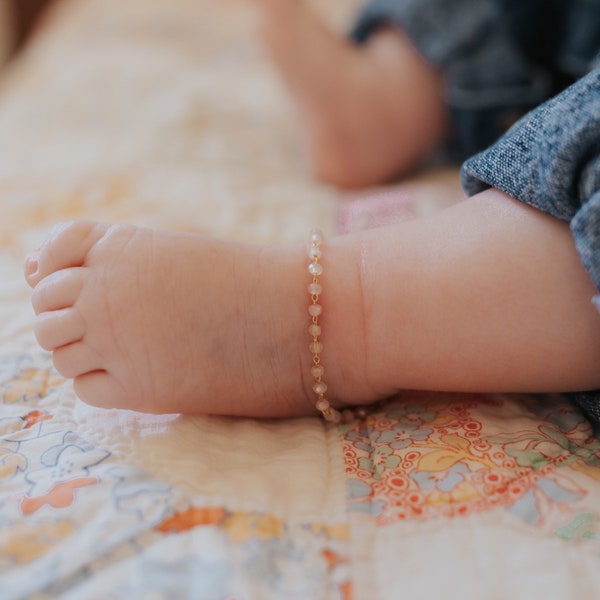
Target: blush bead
314 330
314 289
333 416
315 269
319 388
317 371
314 310
322 405
316 236
314 252
316 347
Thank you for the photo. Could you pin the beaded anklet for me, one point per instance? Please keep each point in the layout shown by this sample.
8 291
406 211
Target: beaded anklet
315 268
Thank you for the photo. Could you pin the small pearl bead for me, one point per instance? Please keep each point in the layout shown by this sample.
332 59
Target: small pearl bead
314 330
334 416
316 236
317 371
319 388
314 252
314 288
322 405
315 269
314 310
316 347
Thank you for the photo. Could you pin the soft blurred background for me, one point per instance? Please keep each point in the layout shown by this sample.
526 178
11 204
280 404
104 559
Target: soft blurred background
160 112
166 113
18 19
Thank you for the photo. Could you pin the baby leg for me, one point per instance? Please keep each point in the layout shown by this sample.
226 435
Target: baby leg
487 296
369 112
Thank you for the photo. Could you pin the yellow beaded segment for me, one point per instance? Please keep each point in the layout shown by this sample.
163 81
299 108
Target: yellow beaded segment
315 268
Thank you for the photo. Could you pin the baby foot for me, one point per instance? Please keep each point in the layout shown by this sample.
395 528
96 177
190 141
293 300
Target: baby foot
173 322
369 112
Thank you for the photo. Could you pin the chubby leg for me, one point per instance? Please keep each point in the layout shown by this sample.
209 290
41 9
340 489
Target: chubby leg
487 296
370 113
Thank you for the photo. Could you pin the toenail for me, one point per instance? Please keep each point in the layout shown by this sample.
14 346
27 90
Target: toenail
31 265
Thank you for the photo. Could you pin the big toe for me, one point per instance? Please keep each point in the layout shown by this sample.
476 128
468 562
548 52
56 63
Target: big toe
67 246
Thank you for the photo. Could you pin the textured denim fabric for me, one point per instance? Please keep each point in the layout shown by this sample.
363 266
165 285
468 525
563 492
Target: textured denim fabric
500 58
550 159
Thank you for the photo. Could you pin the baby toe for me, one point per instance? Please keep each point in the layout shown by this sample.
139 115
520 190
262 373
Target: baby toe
76 359
58 290
67 246
58 328
32 264
100 388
